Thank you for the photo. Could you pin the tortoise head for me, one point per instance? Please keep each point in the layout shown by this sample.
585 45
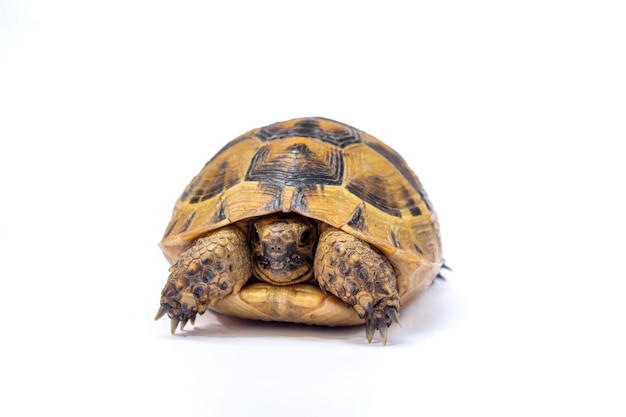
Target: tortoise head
282 249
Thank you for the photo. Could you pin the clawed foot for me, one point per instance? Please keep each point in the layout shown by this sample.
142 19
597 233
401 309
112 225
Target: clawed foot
181 310
187 293
357 274
381 319
214 267
176 318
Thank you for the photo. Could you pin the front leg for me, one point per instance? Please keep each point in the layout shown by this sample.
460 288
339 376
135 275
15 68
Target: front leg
353 271
215 266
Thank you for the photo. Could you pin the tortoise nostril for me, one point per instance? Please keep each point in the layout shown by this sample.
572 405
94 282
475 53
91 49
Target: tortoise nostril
275 245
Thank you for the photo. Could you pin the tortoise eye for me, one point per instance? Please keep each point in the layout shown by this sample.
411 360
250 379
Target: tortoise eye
256 235
305 236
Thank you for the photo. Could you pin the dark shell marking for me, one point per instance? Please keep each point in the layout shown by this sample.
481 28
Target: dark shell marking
284 167
342 136
205 187
402 167
296 164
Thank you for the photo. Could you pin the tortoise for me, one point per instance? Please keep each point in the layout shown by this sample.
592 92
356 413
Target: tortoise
306 221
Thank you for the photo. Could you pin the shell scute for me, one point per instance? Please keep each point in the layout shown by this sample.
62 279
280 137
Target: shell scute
319 128
296 162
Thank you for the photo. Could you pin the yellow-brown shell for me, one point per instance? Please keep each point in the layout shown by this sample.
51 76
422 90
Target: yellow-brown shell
321 169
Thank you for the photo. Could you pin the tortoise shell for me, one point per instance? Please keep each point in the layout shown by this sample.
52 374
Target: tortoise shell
323 170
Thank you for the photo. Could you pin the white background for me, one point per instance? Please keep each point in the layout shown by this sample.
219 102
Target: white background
512 114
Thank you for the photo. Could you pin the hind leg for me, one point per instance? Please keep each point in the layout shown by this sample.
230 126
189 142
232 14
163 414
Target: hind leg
350 269
215 266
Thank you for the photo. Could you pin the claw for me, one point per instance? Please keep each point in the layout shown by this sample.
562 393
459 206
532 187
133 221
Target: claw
370 329
174 324
392 313
383 329
439 276
183 323
192 320
165 307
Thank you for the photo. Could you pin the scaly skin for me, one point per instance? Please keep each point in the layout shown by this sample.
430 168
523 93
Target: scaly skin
215 266
351 270
221 263
282 249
